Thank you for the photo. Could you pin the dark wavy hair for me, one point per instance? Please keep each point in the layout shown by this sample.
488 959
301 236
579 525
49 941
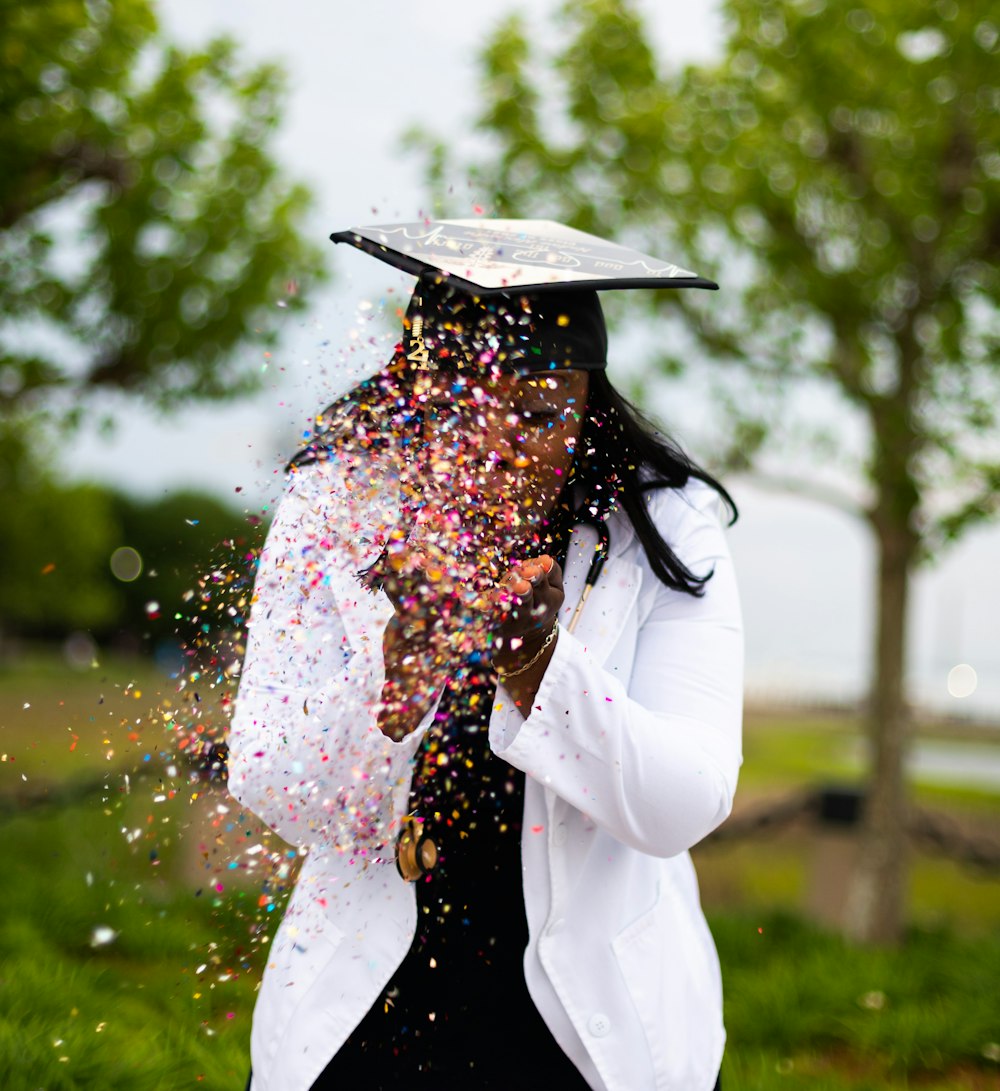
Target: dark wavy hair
620 458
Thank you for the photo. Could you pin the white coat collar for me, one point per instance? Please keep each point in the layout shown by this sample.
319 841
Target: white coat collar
621 531
614 595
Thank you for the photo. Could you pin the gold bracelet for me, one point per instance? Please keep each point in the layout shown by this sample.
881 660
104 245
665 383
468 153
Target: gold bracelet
534 659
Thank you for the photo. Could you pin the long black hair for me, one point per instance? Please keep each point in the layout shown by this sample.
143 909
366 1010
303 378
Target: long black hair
621 457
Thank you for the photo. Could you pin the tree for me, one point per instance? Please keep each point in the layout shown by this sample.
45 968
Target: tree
837 171
196 552
145 230
188 561
54 552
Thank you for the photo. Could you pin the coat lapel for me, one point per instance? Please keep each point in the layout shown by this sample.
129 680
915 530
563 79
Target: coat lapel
603 618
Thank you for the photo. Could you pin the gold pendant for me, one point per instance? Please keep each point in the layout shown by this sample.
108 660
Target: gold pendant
416 853
418 355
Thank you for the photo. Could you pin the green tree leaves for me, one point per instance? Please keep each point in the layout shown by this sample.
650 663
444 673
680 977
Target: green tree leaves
58 572
147 232
53 557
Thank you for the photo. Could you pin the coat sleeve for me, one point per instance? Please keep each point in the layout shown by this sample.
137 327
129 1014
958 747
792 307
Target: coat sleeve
654 761
305 751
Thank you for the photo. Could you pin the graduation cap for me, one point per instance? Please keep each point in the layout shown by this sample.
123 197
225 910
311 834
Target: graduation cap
518 293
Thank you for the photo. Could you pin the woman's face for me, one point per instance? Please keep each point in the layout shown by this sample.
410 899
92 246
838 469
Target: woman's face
500 445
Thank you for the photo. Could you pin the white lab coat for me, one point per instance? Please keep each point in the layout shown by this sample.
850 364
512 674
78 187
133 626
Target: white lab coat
631 751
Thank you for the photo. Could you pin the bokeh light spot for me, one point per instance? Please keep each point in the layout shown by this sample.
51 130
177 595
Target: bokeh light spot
126 564
962 680
80 651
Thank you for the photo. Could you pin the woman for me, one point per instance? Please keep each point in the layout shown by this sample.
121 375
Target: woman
423 698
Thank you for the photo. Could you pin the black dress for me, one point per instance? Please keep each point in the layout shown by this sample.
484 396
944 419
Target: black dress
457 1013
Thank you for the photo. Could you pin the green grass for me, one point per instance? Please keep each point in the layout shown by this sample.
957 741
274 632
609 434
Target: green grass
783 751
140 849
785 754
775 871
789 751
57 723
133 1013
168 1003
804 1009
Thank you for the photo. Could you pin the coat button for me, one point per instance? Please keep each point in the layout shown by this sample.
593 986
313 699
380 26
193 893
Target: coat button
559 834
599 1024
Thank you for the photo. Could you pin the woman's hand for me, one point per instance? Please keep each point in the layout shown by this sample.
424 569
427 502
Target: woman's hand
527 600
446 608
415 672
442 615
440 596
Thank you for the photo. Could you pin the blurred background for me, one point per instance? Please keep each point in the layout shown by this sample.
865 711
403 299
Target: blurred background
171 318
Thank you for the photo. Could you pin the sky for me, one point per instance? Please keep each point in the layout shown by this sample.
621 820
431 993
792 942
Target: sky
359 76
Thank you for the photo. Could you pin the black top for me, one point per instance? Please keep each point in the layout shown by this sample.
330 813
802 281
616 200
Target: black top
457 1012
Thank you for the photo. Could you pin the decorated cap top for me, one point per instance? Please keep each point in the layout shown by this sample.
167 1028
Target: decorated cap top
493 257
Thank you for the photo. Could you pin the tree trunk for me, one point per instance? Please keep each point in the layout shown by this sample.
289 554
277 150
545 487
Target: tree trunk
875 911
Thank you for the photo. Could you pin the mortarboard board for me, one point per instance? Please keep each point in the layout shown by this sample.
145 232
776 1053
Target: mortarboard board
486 257
522 293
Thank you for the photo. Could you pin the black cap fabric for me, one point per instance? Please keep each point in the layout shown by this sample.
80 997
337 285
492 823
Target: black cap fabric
446 327
487 257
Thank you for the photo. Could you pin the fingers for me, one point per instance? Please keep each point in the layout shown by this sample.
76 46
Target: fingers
535 582
533 572
554 573
421 584
515 585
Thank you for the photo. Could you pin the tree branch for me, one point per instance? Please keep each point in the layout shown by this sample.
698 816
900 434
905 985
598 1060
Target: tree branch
983 507
81 162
